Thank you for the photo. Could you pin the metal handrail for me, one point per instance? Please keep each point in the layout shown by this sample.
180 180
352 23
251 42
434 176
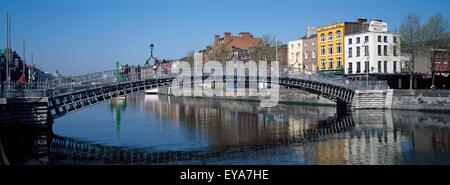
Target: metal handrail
29 89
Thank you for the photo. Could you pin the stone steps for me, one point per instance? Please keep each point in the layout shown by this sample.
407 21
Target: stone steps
370 100
26 111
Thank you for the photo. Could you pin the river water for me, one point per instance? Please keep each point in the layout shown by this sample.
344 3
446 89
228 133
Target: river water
210 131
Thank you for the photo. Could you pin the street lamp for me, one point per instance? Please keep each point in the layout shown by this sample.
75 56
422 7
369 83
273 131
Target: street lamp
151 53
151 48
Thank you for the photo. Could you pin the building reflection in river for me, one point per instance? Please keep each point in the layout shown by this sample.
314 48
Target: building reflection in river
377 137
234 132
231 123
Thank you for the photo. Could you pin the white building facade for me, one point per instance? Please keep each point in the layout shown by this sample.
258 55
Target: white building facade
375 51
295 59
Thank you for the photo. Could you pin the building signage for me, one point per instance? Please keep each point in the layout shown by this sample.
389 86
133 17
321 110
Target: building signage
329 27
377 26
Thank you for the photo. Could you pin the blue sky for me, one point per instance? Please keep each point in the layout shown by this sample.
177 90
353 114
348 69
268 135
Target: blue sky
81 36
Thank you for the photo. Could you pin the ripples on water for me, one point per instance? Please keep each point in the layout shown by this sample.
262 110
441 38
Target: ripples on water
149 129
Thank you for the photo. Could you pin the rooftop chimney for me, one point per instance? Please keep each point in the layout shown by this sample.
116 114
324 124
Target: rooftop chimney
227 37
362 20
310 31
216 39
378 20
245 34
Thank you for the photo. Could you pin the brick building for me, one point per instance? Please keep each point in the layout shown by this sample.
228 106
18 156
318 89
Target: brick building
442 59
244 40
237 45
309 52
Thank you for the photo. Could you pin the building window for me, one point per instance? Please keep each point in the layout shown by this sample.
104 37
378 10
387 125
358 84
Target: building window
379 50
379 38
385 66
366 50
292 46
350 41
385 39
350 68
358 67
350 52
314 54
395 39
299 45
306 55
366 67
339 48
358 40
297 56
322 38
395 66
394 50
330 63
322 50
385 51
379 66
323 64
338 35
338 62
306 44
313 43
330 36
330 49
358 51
366 39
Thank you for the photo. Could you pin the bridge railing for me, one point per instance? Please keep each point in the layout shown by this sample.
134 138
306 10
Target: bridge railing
340 81
70 87
102 77
93 80
332 80
29 89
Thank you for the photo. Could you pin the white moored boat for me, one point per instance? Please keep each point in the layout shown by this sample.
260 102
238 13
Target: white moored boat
152 91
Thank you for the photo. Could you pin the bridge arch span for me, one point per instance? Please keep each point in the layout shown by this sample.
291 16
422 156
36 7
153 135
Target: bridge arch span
64 103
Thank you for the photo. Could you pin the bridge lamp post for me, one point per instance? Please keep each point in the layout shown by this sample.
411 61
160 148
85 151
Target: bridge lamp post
151 53
151 49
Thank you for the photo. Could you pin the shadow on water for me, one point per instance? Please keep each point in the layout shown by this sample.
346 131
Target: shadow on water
243 133
24 145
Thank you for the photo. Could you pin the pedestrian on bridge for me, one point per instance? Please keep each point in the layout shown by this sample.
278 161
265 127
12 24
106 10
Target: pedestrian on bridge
22 81
34 79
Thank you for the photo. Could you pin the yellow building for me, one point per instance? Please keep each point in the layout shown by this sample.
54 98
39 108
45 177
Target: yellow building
331 44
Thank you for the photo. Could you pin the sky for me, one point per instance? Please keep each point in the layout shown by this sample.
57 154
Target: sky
83 36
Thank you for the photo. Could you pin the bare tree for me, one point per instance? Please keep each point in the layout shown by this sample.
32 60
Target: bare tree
220 53
435 34
267 50
190 57
411 41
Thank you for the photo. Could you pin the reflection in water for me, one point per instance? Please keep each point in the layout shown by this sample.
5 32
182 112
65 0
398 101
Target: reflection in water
173 130
117 105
